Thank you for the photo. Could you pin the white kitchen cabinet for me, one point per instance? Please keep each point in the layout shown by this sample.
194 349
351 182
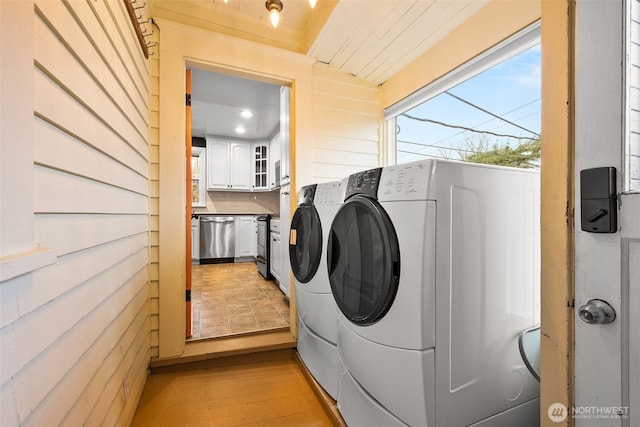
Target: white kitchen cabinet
195 241
285 158
246 230
260 166
276 255
274 162
285 226
228 165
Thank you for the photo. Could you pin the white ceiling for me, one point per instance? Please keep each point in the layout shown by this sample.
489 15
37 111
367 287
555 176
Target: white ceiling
371 39
375 39
217 101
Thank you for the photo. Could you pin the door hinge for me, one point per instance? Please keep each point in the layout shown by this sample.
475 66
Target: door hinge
188 100
188 295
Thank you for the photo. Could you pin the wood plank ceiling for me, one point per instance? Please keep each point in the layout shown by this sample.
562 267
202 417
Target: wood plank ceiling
371 39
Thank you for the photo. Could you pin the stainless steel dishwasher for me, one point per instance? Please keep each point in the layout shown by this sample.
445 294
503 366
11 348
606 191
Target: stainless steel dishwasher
217 239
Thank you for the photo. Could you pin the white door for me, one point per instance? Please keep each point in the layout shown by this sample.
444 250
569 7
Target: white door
607 356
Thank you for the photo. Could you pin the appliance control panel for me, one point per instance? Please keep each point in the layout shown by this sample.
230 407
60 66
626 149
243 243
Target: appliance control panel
409 181
365 182
329 193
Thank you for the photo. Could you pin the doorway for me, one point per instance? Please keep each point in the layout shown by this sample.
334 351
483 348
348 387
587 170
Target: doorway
236 161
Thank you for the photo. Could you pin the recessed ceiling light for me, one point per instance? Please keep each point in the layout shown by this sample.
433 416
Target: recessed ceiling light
240 129
246 114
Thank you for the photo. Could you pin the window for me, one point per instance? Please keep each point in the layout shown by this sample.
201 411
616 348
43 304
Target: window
632 151
198 181
487 110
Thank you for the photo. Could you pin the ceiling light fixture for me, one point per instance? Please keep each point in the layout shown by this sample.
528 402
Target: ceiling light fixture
246 114
312 3
240 129
274 7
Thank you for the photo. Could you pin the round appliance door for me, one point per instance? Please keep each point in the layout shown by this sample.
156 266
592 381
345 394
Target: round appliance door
305 243
363 260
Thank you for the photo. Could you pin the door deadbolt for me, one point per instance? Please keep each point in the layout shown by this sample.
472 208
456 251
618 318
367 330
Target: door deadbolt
597 312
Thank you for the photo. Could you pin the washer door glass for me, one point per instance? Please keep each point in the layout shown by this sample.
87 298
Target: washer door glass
363 260
305 243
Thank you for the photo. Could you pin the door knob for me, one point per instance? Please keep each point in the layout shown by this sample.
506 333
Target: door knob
597 312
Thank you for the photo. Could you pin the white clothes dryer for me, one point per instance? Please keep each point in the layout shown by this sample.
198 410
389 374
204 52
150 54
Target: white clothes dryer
317 318
434 266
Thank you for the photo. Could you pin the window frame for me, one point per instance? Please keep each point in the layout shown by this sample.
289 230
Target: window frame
518 43
200 153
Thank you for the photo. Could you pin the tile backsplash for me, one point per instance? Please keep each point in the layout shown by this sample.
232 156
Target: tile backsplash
236 202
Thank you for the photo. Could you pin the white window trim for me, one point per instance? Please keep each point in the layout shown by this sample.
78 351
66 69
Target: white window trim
200 153
631 8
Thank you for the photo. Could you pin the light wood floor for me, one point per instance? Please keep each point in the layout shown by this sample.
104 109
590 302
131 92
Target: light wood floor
233 298
261 389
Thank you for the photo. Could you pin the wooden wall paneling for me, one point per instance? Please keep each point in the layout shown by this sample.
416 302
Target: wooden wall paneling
325 172
365 104
88 79
59 150
54 281
86 297
347 158
358 119
124 361
104 362
332 81
78 26
85 231
63 67
70 115
366 145
324 130
57 191
121 52
154 179
81 334
129 71
346 121
36 380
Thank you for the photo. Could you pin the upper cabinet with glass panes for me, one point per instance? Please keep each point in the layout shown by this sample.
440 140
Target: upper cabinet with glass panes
260 166
238 166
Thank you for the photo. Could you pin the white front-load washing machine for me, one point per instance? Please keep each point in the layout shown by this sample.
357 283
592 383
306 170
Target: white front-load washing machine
434 266
317 318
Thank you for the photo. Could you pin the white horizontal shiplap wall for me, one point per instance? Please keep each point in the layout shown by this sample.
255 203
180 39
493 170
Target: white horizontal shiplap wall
346 124
633 80
81 331
154 209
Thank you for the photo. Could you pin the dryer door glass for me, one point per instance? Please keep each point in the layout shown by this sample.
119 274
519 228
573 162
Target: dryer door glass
363 260
305 243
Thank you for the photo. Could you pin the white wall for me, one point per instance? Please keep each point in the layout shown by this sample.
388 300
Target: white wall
74 327
346 125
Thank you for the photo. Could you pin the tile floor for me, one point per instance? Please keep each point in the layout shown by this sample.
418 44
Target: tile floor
230 299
